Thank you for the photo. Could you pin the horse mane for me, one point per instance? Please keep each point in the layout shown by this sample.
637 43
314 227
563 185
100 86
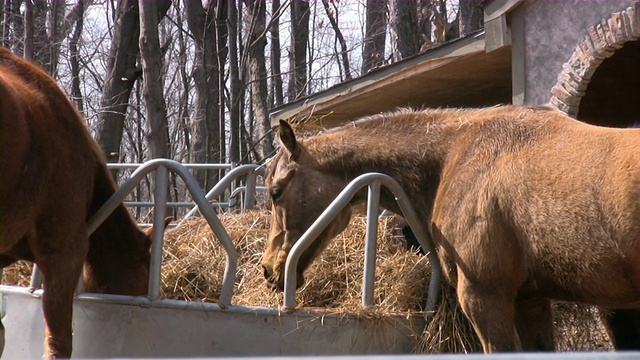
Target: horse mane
352 142
419 116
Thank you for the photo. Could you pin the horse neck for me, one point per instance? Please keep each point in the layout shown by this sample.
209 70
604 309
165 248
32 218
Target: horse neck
403 152
111 244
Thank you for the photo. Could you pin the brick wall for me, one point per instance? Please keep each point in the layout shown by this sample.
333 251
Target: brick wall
600 42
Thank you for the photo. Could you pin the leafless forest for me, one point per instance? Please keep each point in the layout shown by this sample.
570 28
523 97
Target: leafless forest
194 80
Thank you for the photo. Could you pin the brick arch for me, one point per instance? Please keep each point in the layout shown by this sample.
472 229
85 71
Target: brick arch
600 43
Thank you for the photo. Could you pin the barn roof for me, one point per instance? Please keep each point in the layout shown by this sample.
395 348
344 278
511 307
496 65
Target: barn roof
459 73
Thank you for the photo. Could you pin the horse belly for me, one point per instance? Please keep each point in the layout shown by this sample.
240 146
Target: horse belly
601 277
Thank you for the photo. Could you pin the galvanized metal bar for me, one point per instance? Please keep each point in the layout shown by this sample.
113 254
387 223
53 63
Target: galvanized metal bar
371 241
200 200
159 214
171 204
228 280
332 211
36 278
226 181
188 166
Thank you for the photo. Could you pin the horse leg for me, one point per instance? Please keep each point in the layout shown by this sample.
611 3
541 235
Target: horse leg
623 326
491 314
61 269
1 325
534 323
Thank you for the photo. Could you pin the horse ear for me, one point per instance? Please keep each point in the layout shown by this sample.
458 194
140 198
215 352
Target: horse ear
167 221
287 137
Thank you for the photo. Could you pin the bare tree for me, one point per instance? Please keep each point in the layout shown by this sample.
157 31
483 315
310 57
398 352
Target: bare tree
206 123
183 104
276 72
258 73
122 73
404 31
471 16
151 57
45 27
375 35
74 58
12 25
298 51
235 85
425 14
343 53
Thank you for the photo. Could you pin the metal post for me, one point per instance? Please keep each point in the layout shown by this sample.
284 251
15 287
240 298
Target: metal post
159 214
250 192
371 237
36 278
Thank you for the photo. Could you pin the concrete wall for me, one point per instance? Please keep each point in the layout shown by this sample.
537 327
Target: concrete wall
552 30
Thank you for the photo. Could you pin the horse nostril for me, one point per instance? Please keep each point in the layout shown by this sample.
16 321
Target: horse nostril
266 272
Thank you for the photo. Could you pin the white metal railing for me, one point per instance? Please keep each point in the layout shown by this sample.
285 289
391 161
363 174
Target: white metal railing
251 171
246 193
374 181
162 167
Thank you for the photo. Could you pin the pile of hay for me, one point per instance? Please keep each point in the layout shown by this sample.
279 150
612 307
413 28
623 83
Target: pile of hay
193 265
18 274
194 262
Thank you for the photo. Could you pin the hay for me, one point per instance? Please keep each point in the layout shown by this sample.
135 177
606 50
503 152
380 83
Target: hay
193 265
18 274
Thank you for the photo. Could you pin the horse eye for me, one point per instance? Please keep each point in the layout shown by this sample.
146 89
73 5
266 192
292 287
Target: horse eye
275 193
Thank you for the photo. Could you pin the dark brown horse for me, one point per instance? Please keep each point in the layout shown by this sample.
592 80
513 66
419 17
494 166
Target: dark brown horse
524 205
53 178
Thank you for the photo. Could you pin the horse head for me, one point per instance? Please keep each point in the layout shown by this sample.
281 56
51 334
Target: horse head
124 272
299 192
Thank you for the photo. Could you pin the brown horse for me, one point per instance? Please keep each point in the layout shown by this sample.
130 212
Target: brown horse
53 178
524 205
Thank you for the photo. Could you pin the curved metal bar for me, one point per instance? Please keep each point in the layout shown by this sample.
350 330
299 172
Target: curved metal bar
371 240
225 182
332 211
157 240
198 197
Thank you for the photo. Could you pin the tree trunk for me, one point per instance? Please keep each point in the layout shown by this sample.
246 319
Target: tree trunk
205 129
184 98
12 26
57 32
120 78
45 28
29 30
375 35
471 16
222 12
235 85
403 19
276 72
425 13
298 51
74 59
258 75
152 92
344 55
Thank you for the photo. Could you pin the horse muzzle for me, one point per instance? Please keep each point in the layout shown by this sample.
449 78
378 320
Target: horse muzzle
275 279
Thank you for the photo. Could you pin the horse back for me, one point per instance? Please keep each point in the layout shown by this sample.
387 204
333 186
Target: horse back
558 199
48 160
